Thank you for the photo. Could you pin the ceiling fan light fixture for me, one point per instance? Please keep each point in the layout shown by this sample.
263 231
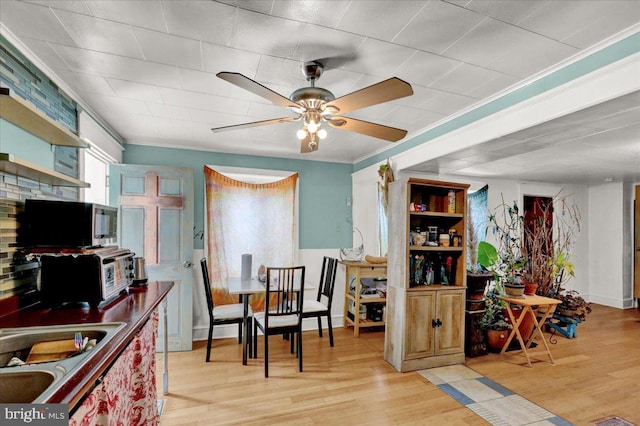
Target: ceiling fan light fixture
312 127
322 133
301 134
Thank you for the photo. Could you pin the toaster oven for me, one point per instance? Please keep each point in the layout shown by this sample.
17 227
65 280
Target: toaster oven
93 277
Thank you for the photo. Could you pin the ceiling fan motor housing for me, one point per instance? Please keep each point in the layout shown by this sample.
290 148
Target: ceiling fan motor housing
311 93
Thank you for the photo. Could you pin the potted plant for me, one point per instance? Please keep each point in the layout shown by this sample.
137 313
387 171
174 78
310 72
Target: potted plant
494 323
507 226
549 259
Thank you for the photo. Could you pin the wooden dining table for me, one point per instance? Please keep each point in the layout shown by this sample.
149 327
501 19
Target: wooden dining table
245 288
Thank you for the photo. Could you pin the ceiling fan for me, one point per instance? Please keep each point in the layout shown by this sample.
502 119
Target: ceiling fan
315 105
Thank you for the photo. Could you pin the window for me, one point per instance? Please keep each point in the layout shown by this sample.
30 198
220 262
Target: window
257 218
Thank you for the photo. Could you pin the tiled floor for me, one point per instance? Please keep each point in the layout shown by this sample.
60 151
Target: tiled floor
494 403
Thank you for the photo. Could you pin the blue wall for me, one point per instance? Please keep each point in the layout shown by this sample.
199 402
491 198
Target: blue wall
323 187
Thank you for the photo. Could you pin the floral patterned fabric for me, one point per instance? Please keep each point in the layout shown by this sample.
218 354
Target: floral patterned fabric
127 396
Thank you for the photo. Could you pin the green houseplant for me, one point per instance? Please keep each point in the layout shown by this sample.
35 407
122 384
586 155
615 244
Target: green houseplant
494 323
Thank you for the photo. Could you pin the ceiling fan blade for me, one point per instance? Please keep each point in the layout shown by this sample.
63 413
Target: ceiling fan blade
257 89
385 91
254 124
379 131
306 146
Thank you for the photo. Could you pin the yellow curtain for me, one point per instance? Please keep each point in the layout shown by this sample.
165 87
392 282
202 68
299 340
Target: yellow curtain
242 218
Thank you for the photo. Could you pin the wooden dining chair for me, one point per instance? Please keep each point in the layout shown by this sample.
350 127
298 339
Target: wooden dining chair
222 314
322 305
283 309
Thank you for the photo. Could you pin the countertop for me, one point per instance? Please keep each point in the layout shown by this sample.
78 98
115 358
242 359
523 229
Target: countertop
133 309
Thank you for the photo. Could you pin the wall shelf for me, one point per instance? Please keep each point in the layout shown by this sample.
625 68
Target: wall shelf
28 117
12 165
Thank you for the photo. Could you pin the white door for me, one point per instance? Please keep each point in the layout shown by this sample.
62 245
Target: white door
156 222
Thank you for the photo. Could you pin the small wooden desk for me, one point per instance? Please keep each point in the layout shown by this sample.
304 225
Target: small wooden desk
548 304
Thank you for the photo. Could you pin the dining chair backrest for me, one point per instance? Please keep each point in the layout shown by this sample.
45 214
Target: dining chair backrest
327 279
283 285
207 286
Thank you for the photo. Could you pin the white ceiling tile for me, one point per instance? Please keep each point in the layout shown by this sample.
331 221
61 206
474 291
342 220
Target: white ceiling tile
532 55
204 82
100 35
489 87
378 58
221 58
378 19
169 111
445 103
168 49
80 82
315 12
82 60
261 6
150 73
45 53
132 90
472 48
561 18
332 47
507 11
201 20
611 21
135 127
404 115
273 71
183 98
19 18
464 79
425 68
227 105
438 26
121 105
140 13
270 35
70 5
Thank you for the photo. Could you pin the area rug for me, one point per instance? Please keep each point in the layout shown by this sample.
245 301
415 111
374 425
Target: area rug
496 404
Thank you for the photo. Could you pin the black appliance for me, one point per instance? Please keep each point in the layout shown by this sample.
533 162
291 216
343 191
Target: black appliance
51 224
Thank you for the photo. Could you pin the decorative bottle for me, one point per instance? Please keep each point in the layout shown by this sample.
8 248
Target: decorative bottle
451 202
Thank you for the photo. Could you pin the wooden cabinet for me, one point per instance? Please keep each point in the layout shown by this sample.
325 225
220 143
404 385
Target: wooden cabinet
426 276
364 295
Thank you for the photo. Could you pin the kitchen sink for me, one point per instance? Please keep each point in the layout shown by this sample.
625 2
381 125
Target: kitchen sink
34 382
24 386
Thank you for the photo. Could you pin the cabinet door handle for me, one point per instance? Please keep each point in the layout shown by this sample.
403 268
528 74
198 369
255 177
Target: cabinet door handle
439 323
436 323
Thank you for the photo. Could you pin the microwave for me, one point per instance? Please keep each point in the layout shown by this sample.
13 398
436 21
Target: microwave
50 224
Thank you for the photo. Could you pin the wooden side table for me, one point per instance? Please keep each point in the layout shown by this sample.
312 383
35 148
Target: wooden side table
547 304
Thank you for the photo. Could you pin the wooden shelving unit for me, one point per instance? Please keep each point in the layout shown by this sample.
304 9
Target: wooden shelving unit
425 304
354 300
28 117
15 166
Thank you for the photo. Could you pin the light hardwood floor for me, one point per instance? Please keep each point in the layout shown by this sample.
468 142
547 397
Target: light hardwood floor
596 375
